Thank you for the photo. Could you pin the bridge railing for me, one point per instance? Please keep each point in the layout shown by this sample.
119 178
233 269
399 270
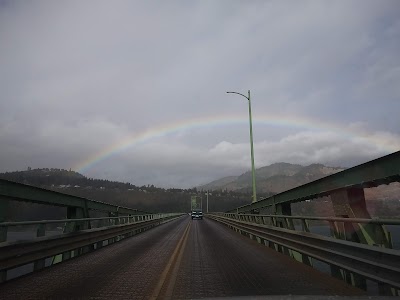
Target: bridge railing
76 207
40 227
338 227
351 223
44 243
348 260
24 256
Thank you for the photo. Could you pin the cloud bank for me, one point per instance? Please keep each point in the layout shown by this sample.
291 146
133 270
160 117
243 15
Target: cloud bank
78 78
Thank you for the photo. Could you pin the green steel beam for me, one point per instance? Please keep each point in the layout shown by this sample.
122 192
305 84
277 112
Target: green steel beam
21 192
383 170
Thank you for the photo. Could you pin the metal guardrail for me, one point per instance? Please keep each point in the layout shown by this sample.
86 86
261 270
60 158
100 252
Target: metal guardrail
89 221
337 225
378 264
77 208
81 234
261 218
65 246
383 170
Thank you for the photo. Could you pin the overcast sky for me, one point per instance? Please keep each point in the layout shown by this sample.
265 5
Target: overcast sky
136 90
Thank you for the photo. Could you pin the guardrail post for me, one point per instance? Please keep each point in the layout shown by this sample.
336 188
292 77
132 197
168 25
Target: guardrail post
112 222
305 226
3 216
128 222
74 213
264 221
118 222
274 222
286 210
283 209
3 276
385 289
40 264
335 232
3 231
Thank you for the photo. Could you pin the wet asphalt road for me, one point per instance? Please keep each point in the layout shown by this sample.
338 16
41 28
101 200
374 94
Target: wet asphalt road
219 262
213 261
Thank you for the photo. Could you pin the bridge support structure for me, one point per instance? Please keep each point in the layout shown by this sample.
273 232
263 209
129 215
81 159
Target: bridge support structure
350 203
347 203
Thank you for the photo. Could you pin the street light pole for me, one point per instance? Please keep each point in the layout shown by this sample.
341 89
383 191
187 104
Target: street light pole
207 201
253 171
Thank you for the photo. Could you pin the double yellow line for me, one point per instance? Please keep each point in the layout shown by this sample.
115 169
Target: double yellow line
168 276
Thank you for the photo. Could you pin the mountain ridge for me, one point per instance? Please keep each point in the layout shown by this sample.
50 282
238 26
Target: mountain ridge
275 178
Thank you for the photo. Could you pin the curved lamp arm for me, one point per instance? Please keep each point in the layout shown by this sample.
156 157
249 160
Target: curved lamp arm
238 94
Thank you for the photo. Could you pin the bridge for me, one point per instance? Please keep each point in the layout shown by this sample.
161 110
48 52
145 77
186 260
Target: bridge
103 251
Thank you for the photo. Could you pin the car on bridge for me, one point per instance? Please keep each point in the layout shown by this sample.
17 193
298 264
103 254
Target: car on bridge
197 214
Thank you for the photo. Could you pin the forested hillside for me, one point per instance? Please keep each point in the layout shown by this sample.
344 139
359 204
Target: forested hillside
382 201
146 198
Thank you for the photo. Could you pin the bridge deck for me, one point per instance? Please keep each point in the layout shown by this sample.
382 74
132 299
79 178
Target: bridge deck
213 262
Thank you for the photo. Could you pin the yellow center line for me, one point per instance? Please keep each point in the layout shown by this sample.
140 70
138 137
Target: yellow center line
173 262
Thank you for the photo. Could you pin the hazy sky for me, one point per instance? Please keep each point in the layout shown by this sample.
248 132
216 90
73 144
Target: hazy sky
136 90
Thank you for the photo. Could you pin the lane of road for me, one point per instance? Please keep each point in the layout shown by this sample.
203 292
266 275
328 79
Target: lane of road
129 269
219 262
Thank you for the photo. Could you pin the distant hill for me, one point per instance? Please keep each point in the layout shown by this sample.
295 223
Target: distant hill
59 178
274 178
217 184
145 198
228 192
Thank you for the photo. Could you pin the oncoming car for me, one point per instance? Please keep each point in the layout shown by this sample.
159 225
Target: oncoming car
197 214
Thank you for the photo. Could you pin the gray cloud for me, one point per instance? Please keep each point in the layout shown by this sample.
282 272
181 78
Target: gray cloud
77 77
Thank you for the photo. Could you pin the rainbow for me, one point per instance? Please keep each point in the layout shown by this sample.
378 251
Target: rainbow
214 121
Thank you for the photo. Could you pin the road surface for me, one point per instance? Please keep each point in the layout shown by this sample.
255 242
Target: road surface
181 259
